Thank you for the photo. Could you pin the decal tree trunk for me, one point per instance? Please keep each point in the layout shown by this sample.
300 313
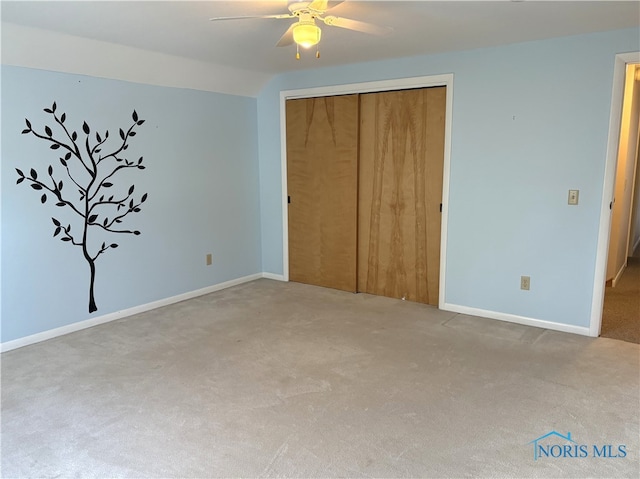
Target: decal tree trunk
100 206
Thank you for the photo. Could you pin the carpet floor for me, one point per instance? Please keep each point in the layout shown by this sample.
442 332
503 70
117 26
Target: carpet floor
272 379
621 311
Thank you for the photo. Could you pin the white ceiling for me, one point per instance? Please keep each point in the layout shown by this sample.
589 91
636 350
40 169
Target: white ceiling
420 27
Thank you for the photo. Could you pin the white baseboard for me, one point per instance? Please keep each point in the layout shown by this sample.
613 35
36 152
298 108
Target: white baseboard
277 277
512 318
71 328
615 280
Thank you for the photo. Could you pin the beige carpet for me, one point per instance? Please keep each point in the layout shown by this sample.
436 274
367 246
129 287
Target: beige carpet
272 379
621 311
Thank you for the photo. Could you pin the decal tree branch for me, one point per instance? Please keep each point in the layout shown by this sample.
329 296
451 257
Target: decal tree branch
93 175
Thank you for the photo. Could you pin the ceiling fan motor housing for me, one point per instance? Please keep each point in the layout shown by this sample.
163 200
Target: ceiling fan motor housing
306 33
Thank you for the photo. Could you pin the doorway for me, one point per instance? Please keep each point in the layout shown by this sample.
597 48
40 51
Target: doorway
361 88
621 311
615 129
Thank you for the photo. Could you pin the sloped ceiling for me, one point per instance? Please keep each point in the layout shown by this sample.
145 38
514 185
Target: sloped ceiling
181 28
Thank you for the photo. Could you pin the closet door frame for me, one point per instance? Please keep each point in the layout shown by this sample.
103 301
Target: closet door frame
368 87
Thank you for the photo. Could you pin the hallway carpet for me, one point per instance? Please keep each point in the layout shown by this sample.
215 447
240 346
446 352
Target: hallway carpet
272 379
621 311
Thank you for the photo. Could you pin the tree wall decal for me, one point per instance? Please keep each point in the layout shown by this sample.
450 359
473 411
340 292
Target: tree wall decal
92 173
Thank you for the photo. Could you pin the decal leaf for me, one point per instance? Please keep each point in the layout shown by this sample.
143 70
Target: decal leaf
48 131
86 128
134 116
43 199
92 218
34 174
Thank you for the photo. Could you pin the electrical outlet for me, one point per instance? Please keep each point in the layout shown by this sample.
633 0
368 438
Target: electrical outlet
209 259
525 283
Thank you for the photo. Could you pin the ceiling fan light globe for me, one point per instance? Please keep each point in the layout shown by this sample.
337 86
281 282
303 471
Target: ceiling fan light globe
306 35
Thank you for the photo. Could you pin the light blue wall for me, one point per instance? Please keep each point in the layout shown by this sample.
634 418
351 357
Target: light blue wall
508 212
200 150
507 207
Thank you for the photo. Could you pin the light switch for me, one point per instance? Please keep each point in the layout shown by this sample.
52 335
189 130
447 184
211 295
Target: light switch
573 197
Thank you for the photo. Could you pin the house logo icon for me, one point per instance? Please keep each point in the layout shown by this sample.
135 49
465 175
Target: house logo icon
537 447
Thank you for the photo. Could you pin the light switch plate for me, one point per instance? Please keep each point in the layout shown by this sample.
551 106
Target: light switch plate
573 197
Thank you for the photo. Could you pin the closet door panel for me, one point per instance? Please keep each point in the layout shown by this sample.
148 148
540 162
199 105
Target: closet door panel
322 169
400 190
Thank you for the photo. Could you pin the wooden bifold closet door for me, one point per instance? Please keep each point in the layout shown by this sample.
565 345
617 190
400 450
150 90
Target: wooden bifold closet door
365 185
400 190
322 184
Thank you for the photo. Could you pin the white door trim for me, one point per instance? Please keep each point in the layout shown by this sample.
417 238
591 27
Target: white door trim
611 161
384 85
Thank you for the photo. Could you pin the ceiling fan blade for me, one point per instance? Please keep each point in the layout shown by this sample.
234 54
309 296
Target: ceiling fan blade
287 37
356 25
243 17
318 5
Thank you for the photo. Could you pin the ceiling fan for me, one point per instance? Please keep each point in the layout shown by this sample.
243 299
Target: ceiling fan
304 32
